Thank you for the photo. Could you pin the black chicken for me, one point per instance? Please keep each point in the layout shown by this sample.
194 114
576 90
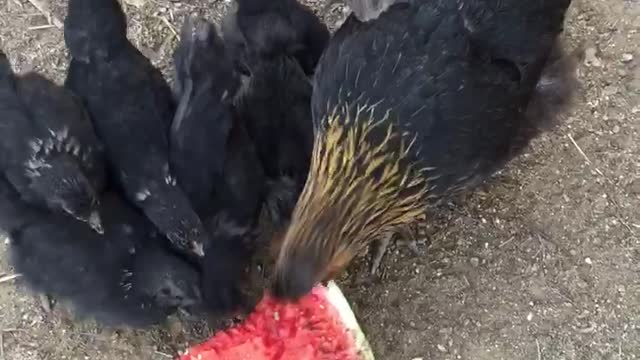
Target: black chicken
276 105
228 182
428 99
48 147
123 277
276 96
238 200
206 84
269 28
132 108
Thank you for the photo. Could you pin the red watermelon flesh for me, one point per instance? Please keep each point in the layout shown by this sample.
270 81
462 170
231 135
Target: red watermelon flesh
319 326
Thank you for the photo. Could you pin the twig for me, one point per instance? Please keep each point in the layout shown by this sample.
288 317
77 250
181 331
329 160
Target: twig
41 27
169 25
586 158
7 278
44 9
506 242
539 352
163 354
620 350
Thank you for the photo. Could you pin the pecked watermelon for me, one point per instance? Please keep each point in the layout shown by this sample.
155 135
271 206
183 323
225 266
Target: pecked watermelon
320 326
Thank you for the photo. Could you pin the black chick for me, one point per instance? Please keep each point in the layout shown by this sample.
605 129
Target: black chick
228 183
132 108
48 147
123 277
229 186
276 105
274 28
206 83
238 200
279 122
427 99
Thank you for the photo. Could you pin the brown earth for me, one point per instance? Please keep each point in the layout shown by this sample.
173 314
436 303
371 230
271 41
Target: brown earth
543 263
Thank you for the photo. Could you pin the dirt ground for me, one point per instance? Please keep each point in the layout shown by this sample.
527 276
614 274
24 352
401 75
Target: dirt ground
543 263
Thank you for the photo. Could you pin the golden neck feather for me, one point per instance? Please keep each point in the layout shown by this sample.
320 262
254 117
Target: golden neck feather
361 183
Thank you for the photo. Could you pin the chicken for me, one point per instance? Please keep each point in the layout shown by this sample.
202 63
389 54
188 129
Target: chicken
49 150
426 100
132 108
275 98
276 105
233 222
279 122
206 83
123 277
269 28
228 183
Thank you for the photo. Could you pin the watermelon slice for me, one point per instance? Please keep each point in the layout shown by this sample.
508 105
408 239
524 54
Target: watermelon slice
320 326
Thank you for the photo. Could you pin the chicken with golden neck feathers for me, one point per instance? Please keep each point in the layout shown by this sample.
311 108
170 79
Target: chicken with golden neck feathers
427 99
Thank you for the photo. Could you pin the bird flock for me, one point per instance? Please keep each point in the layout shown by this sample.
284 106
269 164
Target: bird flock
133 200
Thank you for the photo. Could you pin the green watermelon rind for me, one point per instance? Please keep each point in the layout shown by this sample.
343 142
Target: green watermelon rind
337 299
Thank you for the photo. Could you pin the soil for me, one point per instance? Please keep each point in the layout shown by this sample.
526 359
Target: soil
541 263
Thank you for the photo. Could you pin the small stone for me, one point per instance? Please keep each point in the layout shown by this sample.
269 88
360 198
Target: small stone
590 57
441 348
474 261
616 129
588 261
627 57
529 316
534 268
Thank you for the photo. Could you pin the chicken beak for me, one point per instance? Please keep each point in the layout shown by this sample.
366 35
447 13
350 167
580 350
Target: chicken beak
197 249
96 223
